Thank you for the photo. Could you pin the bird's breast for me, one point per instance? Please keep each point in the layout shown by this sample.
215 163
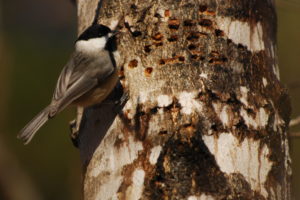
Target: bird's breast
99 93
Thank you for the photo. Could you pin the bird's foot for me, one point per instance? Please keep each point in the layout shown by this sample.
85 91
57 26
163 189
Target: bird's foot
119 104
74 132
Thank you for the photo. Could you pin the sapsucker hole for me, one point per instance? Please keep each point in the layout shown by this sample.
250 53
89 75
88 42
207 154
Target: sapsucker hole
224 59
148 71
205 22
181 58
133 6
192 37
133 63
194 57
173 24
136 33
147 48
214 53
195 36
157 37
211 13
189 22
158 44
173 38
192 47
202 8
162 62
163 132
219 33
167 13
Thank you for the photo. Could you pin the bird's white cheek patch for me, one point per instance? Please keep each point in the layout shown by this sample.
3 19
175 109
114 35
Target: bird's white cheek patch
91 45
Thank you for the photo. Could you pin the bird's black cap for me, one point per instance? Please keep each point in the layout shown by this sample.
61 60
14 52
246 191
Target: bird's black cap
94 31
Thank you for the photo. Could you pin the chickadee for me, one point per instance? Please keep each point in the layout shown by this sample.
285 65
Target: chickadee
87 79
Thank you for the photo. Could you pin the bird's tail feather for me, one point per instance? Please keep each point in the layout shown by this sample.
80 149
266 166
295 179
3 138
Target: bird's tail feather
27 133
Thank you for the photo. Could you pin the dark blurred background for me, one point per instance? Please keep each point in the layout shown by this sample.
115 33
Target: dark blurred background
288 12
36 39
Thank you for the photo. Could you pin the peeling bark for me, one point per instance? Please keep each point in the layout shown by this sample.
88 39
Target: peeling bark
207 116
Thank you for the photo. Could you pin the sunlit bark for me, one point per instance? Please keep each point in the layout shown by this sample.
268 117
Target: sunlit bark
207 117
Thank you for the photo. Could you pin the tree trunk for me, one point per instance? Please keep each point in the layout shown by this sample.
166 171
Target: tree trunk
207 117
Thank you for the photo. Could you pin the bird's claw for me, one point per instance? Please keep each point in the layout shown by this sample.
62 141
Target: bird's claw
74 132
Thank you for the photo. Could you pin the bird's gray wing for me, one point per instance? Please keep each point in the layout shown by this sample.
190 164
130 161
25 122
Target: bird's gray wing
78 77
64 79
77 89
80 65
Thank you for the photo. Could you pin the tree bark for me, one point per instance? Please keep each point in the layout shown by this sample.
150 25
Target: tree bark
207 116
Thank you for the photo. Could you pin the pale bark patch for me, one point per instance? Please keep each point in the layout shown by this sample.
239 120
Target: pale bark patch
288 160
277 122
164 100
243 33
203 75
202 197
114 158
134 191
244 95
155 152
265 82
129 109
260 120
275 65
109 191
108 162
113 25
189 103
222 112
247 158
143 96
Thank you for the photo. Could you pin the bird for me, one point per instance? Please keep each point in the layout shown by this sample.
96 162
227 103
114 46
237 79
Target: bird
87 79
